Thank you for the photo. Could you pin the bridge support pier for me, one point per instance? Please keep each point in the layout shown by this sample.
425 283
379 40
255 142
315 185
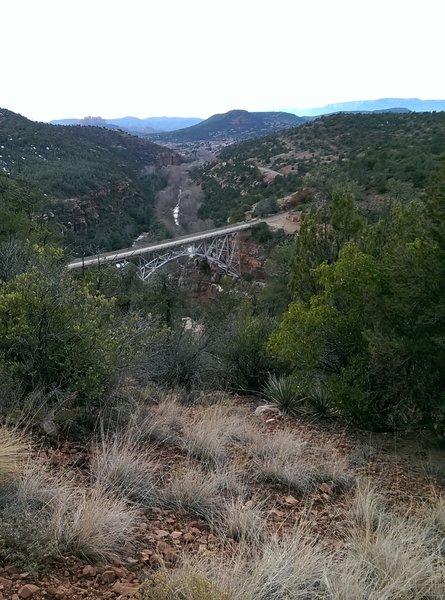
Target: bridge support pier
220 250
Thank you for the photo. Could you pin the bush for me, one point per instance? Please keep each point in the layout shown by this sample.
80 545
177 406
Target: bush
244 365
54 334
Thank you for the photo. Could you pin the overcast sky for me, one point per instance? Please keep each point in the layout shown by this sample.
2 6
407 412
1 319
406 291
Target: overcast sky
111 58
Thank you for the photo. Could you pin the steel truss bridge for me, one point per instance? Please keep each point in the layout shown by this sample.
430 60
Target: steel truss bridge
218 246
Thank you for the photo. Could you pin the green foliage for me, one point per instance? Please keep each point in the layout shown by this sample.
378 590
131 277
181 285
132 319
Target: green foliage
321 237
266 206
374 327
275 296
240 349
21 207
284 393
96 180
387 155
55 333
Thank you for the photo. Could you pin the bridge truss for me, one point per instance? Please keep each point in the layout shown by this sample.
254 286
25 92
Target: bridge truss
220 250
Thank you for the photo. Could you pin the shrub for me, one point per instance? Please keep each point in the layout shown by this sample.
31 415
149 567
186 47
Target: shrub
56 334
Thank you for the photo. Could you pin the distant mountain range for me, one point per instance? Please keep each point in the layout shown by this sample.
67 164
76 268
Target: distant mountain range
380 105
234 125
134 124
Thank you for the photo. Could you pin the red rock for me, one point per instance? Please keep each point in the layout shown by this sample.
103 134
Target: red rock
108 576
27 590
160 533
5 583
326 497
325 488
125 589
61 592
89 571
121 572
188 537
176 535
291 500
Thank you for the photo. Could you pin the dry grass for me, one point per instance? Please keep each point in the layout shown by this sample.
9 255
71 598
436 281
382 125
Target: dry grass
270 570
12 453
386 556
118 467
281 445
97 526
181 585
206 439
283 461
195 493
42 515
161 423
28 505
243 521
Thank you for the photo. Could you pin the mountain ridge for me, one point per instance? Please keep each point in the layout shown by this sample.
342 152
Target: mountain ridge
380 104
235 124
134 125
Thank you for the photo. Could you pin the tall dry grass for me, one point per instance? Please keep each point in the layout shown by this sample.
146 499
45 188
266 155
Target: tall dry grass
12 453
119 467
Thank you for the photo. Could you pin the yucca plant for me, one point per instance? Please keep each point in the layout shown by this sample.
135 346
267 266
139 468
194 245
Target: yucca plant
284 393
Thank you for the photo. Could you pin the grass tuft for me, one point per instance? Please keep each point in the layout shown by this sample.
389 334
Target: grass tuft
97 526
118 467
12 453
195 493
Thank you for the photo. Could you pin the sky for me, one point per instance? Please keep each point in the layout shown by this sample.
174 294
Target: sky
195 58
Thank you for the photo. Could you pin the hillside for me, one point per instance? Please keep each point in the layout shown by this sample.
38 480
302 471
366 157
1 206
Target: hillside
383 153
100 183
233 125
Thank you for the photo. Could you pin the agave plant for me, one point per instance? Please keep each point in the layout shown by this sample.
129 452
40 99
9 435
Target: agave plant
284 393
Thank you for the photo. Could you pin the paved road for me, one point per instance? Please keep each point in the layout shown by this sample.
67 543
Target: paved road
121 255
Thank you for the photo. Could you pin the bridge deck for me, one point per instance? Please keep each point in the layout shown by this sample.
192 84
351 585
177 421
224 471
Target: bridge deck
126 253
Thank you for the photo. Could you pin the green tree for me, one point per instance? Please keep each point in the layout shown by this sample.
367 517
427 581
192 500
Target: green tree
374 331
